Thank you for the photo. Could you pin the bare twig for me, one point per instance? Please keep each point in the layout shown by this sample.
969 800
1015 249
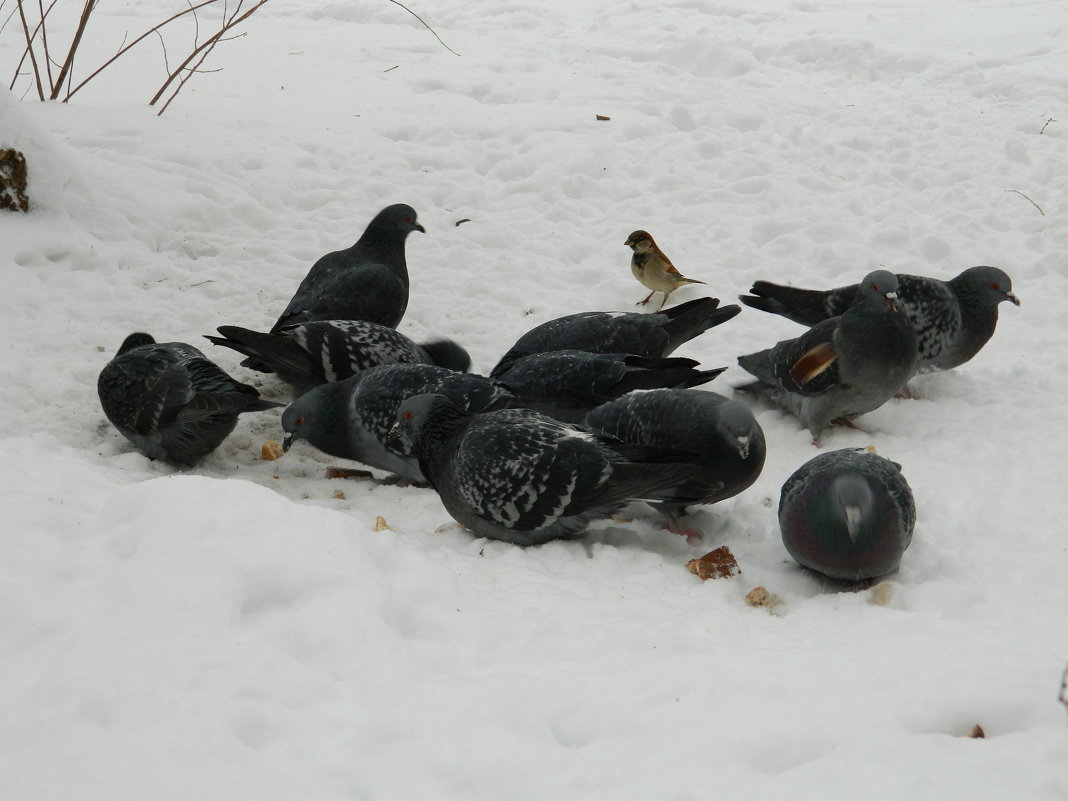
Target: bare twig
134 43
1047 122
396 2
30 50
44 38
1025 197
83 22
205 48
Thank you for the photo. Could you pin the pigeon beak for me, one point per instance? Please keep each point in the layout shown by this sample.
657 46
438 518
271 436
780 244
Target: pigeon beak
1015 300
891 300
419 228
287 443
743 447
853 517
394 438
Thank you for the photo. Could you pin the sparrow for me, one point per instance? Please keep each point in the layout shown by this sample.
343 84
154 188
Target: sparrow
653 268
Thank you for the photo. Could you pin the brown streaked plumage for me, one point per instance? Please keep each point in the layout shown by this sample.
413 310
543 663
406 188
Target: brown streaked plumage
653 268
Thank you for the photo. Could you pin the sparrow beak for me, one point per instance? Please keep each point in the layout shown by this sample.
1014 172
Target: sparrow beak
287 443
891 300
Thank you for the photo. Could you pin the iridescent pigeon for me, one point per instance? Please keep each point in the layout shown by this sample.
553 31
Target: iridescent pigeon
519 476
848 514
309 354
953 319
844 366
170 401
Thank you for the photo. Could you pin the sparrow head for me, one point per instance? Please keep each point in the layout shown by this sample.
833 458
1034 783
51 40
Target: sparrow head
640 242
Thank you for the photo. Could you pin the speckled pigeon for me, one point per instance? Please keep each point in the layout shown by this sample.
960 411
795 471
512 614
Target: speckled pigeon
310 354
565 384
844 366
368 281
848 514
953 319
170 401
721 434
655 335
351 419
519 476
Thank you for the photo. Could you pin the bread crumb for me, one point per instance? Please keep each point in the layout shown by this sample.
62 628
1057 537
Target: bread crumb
716 564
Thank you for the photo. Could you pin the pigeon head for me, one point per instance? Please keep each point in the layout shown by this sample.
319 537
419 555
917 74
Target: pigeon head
420 415
396 219
136 340
878 287
640 242
317 416
853 502
737 426
985 286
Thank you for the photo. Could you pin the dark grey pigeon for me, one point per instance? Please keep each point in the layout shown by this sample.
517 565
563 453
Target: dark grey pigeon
953 319
720 434
170 401
519 476
565 384
310 354
368 281
351 419
654 335
844 366
848 514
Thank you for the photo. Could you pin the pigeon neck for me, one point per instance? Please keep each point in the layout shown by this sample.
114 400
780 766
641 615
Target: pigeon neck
386 247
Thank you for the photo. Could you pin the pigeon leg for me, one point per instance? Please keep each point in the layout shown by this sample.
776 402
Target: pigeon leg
906 393
675 526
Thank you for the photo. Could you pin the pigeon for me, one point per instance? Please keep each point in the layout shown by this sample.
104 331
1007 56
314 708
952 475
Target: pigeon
953 319
844 366
848 514
720 433
351 419
656 335
368 281
170 401
653 269
309 354
520 476
565 384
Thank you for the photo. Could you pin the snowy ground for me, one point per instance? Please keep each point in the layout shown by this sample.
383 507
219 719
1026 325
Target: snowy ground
240 631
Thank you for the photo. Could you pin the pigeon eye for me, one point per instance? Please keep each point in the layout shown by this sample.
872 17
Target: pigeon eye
299 421
995 286
408 415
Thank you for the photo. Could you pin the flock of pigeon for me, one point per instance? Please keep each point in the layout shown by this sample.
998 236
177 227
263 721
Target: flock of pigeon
584 413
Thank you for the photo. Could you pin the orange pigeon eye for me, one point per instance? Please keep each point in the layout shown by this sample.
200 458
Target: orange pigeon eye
408 415
299 421
995 286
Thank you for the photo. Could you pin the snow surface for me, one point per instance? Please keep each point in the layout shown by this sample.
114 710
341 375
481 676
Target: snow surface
241 631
